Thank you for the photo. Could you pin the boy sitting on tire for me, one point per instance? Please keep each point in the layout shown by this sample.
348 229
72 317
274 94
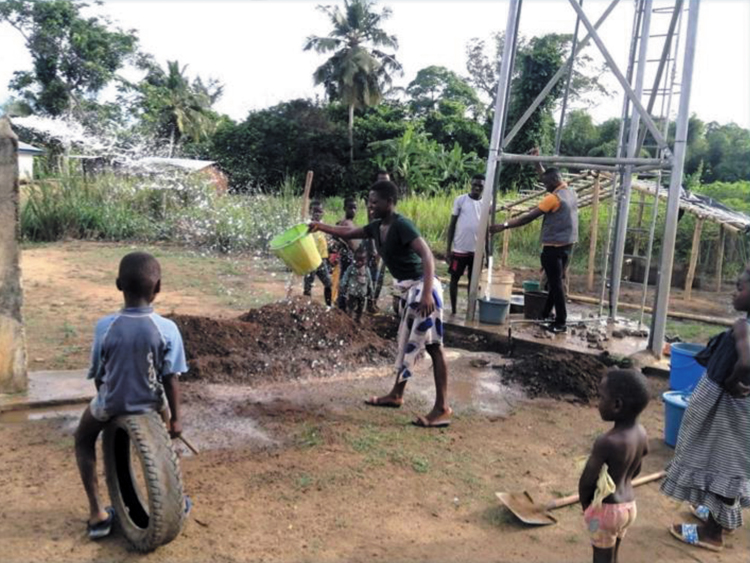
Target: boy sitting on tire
135 360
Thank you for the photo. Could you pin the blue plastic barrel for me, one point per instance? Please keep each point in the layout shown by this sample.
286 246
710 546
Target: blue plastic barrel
675 403
684 371
493 311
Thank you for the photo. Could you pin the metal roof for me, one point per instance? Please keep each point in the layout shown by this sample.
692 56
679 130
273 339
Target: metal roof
25 148
160 163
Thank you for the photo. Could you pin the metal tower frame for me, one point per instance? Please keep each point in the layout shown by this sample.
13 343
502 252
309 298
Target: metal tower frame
670 159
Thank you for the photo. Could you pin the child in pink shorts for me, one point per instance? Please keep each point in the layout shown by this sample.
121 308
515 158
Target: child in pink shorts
606 488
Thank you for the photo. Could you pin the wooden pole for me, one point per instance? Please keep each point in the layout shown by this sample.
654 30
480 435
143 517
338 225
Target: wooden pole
694 251
639 223
294 279
506 241
306 196
594 233
720 257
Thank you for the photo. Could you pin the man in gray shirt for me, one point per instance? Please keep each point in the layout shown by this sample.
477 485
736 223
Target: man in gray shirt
559 233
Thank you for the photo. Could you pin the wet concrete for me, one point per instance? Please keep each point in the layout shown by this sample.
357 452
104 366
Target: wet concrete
49 388
217 416
72 412
586 335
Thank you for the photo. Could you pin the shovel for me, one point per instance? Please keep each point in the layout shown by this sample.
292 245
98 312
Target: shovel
530 512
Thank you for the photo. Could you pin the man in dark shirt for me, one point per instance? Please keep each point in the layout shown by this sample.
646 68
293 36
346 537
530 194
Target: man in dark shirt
410 262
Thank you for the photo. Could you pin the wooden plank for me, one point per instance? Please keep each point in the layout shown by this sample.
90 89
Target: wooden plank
672 313
694 251
594 233
720 257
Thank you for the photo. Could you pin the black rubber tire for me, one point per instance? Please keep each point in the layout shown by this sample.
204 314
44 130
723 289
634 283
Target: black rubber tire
151 518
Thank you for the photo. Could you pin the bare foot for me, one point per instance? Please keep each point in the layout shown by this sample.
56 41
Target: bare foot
389 401
437 418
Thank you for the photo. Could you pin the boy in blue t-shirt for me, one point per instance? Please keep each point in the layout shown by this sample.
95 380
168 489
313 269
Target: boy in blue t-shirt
135 360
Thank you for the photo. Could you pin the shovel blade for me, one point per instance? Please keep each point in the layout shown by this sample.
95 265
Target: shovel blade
525 509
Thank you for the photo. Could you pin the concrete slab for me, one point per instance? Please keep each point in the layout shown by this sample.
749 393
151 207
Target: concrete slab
585 336
50 388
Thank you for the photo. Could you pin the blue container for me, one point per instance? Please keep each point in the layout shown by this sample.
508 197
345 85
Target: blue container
675 403
493 311
684 371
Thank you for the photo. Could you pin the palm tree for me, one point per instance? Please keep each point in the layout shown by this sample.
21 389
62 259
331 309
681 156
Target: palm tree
176 107
357 73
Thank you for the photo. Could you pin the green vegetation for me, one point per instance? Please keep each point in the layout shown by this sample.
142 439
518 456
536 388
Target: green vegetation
190 212
74 56
358 72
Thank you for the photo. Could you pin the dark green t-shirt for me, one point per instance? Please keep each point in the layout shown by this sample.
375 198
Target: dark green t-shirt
402 262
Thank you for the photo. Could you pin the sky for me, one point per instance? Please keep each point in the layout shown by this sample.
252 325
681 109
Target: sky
255 47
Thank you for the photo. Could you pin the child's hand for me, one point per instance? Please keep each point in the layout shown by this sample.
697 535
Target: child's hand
313 226
175 428
738 390
426 304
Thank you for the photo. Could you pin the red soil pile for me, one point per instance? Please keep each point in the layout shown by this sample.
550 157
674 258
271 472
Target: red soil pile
282 341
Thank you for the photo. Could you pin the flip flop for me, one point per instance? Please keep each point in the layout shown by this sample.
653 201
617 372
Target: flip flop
441 422
689 534
375 402
701 512
101 529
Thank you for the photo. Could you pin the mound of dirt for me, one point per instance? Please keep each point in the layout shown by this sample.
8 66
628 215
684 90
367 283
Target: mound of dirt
279 342
558 375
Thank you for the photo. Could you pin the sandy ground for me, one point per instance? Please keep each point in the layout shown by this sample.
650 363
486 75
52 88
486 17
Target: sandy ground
304 471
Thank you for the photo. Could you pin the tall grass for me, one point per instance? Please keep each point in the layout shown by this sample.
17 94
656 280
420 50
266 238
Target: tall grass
190 212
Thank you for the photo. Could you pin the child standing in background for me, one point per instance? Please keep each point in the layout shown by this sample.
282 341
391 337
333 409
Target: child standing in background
324 275
356 284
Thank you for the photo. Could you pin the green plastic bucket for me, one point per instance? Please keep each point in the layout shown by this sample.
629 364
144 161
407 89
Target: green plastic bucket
530 285
297 248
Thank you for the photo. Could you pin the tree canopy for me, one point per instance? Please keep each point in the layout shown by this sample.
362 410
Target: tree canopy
171 107
432 135
358 73
74 57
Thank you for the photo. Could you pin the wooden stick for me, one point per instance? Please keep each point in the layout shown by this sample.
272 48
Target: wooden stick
294 279
594 234
189 444
720 257
306 196
695 250
165 416
572 499
673 314
639 222
506 243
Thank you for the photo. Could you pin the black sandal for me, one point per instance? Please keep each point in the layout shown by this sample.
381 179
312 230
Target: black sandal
101 529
